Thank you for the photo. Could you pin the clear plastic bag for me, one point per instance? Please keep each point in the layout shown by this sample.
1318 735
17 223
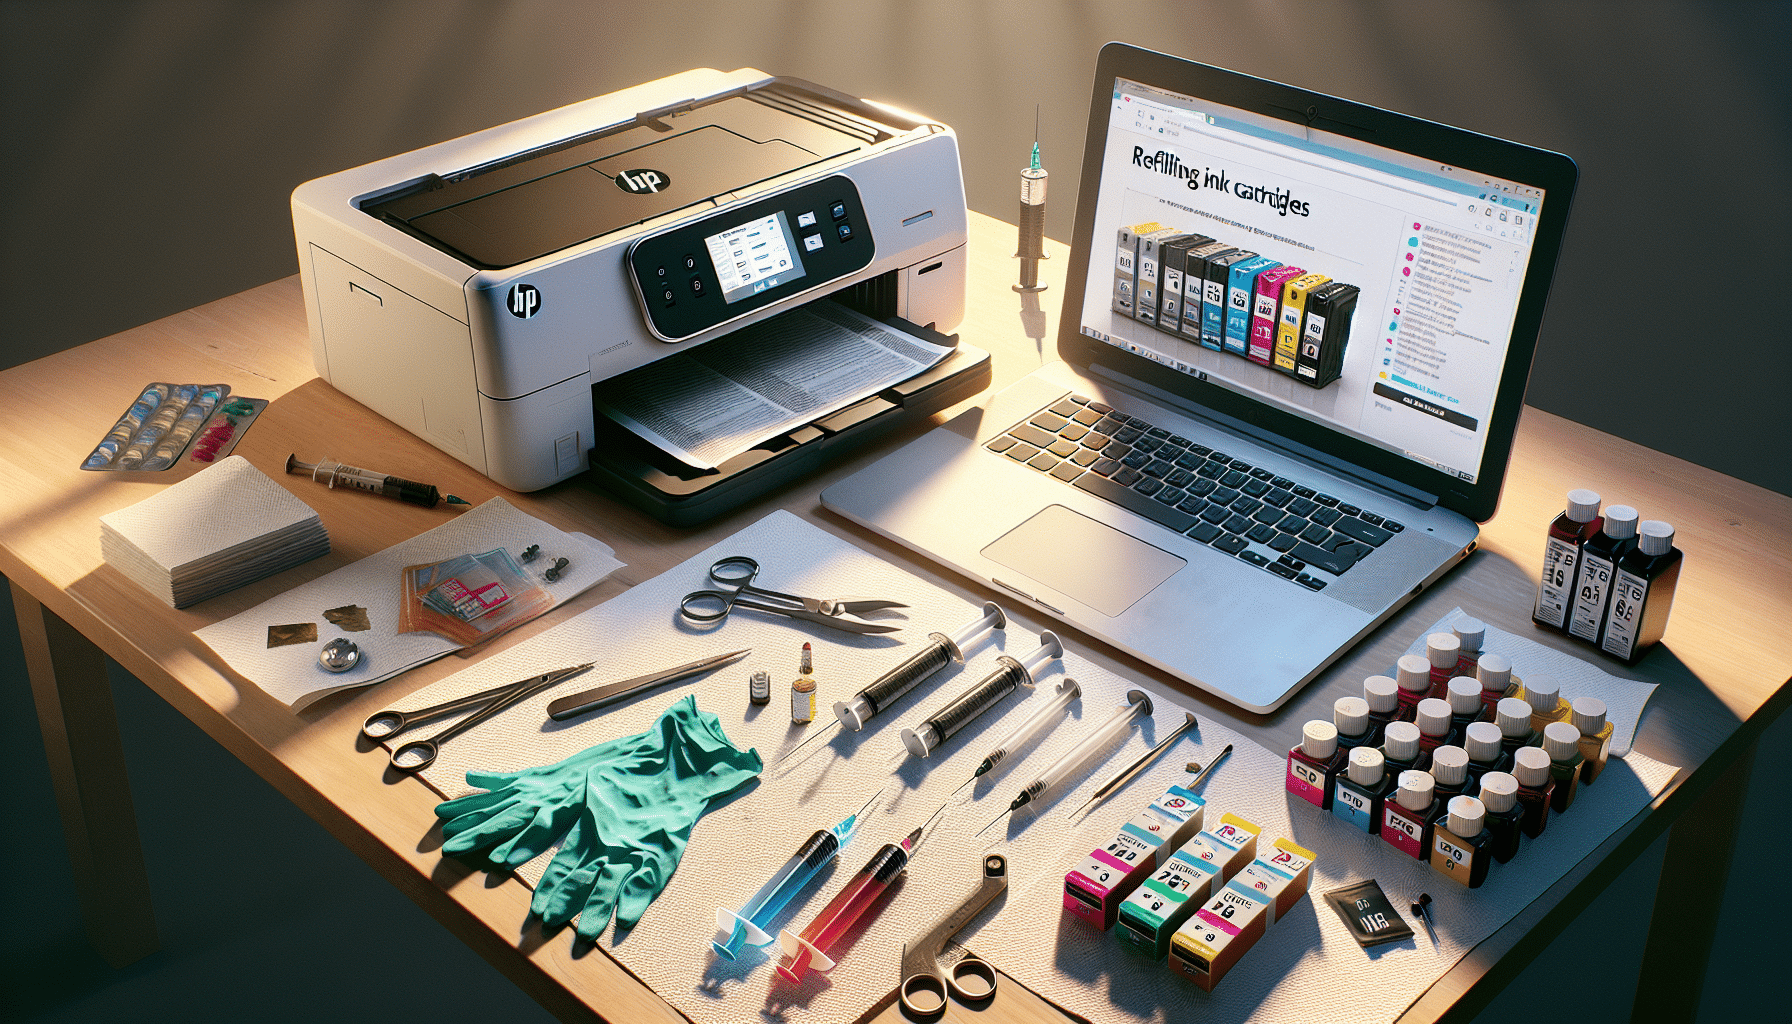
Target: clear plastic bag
470 598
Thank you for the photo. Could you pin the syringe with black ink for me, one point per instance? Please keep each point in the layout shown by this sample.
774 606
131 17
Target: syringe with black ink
1010 673
1031 247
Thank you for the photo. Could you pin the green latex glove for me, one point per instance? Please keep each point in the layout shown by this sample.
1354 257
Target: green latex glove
639 808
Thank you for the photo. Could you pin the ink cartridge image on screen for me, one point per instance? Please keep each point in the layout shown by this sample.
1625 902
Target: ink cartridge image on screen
1288 326
1194 289
1126 267
1241 288
1213 297
1320 359
1268 306
1173 255
1149 291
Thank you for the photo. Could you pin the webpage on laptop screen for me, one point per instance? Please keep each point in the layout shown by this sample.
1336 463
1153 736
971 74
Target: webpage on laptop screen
1349 284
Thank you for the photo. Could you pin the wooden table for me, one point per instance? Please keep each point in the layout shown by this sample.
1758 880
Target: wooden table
1723 670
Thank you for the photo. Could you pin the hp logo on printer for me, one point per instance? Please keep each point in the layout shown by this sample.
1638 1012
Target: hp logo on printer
525 301
643 182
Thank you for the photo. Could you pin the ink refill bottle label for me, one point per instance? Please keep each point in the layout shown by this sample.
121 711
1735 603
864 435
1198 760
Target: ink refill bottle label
1407 819
1358 794
1449 767
1401 750
1465 703
1561 742
802 690
1350 716
1435 727
1314 763
1459 843
1382 694
1412 673
1595 736
1643 593
1599 559
1561 557
1470 635
1499 794
1544 695
1495 675
1482 742
1513 717
1442 651
1536 790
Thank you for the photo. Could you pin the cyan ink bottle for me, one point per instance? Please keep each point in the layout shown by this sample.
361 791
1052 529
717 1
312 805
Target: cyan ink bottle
1360 790
1314 763
1412 673
1495 675
1595 736
1499 794
1599 558
1544 695
1350 716
1435 727
1561 742
1470 635
1401 749
1561 557
1382 694
1407 819
1643 593
1482 742
1459 843
1449 768
1536 790
1441 652
1465 703
1513 716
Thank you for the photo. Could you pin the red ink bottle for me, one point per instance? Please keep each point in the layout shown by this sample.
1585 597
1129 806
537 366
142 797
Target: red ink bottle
1536 790
1578 524
1407 819
1643 593
1513 716
1561 742
1495 675
1595 736
1435 727
1401 749
1449 768
1599 559
1470 635
1314 763
1482 742
1382 694
1459 843
1442 651
1361 789
1464 697
1412 673
1350 716
1499 794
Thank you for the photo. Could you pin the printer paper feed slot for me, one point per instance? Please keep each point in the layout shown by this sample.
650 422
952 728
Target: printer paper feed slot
710 404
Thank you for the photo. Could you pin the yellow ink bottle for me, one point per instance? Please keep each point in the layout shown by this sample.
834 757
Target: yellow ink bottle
1595 736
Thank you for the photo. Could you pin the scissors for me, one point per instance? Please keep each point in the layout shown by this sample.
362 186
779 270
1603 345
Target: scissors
419 754
971 979
737 572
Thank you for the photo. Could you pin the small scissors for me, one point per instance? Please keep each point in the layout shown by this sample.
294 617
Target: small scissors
420 754
971 979
738 572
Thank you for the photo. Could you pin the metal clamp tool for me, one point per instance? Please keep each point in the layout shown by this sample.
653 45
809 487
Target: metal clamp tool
972 979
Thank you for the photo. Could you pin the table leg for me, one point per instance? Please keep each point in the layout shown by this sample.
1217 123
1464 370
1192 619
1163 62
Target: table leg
93 791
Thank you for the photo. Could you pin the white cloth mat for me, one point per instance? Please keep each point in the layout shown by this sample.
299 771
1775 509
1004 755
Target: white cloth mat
1306 968
375 583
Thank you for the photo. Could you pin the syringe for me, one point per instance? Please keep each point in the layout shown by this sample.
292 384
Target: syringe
748 927
940 651
334 474
943 724
809 949
1048 715
1138 705
1031 247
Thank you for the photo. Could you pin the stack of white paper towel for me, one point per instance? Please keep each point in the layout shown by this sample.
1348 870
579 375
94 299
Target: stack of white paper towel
214 531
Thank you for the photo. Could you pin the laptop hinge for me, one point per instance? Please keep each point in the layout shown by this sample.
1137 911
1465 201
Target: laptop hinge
1368 478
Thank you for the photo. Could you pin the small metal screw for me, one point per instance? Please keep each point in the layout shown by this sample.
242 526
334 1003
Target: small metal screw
532 552
553 574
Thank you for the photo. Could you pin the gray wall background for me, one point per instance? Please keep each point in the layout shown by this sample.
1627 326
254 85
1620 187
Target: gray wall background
150 147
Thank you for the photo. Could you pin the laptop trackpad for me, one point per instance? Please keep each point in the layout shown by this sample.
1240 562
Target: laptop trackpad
1077 556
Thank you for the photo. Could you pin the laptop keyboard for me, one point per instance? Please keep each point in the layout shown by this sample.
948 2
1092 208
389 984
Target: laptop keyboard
1270 521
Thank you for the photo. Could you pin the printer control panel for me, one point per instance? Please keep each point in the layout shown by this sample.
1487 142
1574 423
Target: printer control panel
702 274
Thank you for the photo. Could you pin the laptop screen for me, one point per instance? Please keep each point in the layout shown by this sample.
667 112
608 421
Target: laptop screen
1370 292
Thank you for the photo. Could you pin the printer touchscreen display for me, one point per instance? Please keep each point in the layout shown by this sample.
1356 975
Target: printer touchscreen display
751 257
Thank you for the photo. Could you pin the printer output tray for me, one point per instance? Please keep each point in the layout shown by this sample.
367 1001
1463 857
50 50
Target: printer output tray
654 482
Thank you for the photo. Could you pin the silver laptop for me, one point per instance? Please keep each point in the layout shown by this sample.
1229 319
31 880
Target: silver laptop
1294 343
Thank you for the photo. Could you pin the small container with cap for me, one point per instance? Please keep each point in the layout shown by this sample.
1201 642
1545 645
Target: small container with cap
1412 673
1441 652
1530 766
1482 742
1595 736
1407 819
1544 695
1496 678
1561 742
1314 763
1361 787
1599 558
1382 694
1464 696
1401 749
1351 717
1513 717
1459 842
1576 525
1435 726
1449 766
1505 818
1642 593
1470 635
802 689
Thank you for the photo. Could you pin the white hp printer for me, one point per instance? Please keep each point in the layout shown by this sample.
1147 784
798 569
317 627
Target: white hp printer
475 291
